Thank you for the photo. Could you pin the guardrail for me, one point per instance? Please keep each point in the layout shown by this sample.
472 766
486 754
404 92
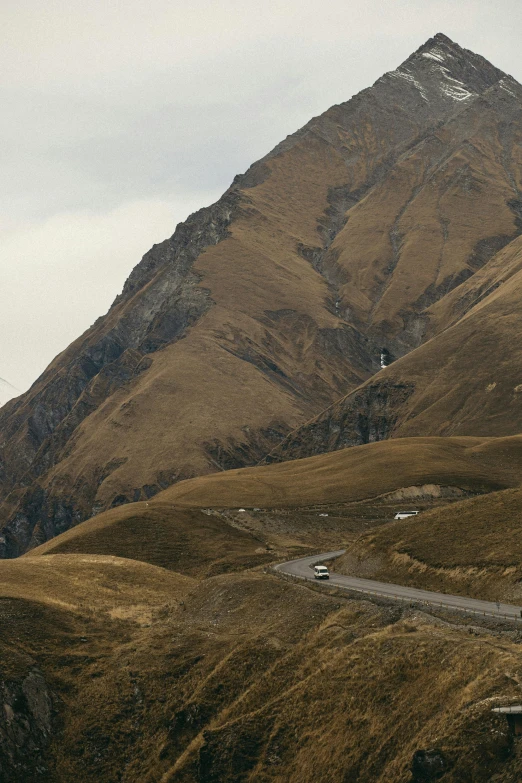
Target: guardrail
404 599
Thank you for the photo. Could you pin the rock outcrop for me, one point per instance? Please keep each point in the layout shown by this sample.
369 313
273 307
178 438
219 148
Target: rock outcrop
26 707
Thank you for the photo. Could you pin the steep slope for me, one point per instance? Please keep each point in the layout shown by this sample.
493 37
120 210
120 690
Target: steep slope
464 381
263 309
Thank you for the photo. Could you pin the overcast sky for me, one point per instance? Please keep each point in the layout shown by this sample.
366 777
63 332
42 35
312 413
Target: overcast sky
121 117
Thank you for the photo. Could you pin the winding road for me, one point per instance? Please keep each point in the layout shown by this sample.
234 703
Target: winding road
302 569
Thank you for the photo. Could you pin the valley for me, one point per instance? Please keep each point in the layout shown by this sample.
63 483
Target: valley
155 643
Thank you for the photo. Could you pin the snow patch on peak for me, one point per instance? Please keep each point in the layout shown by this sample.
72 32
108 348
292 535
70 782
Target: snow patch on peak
410 78
503 83
457 93
456 90
434 54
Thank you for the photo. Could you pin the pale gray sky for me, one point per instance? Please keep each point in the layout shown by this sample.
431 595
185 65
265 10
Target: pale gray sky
121 118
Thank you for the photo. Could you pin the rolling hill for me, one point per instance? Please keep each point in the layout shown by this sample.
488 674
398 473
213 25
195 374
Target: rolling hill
117 670
470 548
195 527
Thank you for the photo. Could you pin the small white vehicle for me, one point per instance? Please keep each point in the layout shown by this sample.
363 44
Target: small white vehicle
404 514
321 572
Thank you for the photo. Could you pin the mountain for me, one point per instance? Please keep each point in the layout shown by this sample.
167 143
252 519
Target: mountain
466 380
352 299
325 261
7 392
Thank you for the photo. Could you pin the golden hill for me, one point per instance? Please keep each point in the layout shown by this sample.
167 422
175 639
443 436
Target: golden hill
368 471
182 528
265 308
118 671
188 541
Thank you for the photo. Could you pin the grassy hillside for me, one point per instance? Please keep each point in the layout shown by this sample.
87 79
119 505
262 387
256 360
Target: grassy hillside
196 527
161 534
473 548
238 678
465 380
364 472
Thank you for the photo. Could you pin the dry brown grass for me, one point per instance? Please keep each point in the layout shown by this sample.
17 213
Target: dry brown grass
194 527
187 541
359 473
252 678
93 583
473 548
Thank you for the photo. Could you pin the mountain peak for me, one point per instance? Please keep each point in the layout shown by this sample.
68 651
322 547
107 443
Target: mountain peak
442 50
442 38
444 72
439 38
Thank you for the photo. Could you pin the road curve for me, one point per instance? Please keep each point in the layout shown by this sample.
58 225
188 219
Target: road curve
302 569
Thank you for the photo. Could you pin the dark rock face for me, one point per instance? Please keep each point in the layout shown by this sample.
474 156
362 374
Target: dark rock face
366 416
428 765
207 226
168 301
40 516
25 728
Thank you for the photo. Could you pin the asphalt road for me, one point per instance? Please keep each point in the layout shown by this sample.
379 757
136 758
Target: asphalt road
303 569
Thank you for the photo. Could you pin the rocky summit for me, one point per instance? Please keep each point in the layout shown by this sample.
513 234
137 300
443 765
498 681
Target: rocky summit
335 295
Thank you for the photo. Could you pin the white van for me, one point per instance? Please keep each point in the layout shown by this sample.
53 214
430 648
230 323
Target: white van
321 572
404 514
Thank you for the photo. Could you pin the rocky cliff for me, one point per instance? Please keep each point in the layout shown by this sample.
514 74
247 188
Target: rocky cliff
26 709
265 308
